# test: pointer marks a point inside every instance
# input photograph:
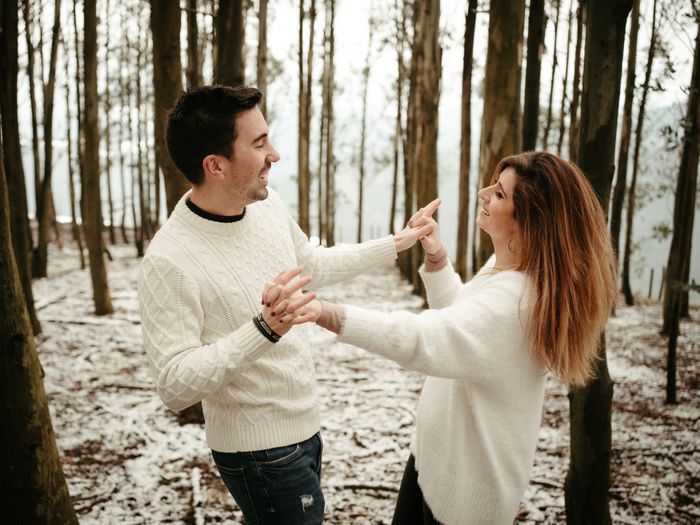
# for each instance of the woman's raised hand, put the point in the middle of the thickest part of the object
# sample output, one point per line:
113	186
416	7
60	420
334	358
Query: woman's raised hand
416	229
284	301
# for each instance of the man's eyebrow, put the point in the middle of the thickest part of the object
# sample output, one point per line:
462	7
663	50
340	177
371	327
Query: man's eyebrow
502	190
259	137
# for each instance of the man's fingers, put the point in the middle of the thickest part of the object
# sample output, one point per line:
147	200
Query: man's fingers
287	275
302	301
425	230
430	208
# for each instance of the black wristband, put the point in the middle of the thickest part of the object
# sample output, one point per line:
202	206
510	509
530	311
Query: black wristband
265	329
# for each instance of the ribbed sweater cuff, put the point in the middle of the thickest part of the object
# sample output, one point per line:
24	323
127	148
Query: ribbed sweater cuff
384	248
253	343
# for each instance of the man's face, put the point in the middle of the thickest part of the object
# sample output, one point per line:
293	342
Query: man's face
253	155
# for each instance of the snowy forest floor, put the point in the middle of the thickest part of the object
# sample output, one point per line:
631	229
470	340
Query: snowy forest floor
127	460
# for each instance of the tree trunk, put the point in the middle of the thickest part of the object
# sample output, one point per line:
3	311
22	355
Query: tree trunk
43	210
92	203
330	157
501	122
363	126
555	63
465	146
34	489
631	196
322	131
193	67
167	83
576	84
623	155
75	227
535	47
31	50
230	38
565	83
304	120
19	222
683	210
261	68
588	479
398	128
123	105
108	130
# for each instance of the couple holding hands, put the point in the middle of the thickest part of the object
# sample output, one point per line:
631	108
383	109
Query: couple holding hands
220	329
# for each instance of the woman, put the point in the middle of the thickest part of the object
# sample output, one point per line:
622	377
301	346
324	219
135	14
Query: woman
540	303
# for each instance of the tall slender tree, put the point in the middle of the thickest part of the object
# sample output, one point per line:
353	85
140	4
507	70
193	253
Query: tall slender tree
107	102
466	142
565	84
21	234
230	37
366	70
501	121
304	120
535	47
575	88
33	487
625	132
43	210
193	61
91	199
555	64
329	173
261	68
678	265
588	479
638	134
167	83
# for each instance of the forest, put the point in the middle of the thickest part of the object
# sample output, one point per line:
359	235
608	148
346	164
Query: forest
377	107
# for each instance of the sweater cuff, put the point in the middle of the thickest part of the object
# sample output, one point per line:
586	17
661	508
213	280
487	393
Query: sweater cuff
251	341
385	249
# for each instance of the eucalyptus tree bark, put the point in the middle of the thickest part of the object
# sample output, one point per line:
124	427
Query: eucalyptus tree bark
304	118
466	143
229	68
623	155
363	124
401	38
75	227
12	155
78	101
535	47
588	478
142	235
501	121
261	68
124	84
92	203
167	83
329	174
28	18
193	62
565	85
33	487
575	88
638	132
555	63
678	265
43	203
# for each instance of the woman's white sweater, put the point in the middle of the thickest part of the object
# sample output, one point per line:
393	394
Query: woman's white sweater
480	409
200	286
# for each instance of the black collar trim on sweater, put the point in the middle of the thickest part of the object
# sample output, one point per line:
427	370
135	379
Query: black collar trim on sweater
212	216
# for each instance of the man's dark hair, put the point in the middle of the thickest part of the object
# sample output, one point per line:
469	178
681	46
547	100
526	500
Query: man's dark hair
203	122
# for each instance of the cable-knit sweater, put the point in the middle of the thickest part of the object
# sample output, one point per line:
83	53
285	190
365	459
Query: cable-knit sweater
200	286
480	409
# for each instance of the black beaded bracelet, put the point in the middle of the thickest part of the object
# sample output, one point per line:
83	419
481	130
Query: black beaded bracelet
265	329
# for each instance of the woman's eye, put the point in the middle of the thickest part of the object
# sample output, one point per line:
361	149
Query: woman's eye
499	195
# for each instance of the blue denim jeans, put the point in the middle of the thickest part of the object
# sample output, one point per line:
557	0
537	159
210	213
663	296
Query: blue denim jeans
276	486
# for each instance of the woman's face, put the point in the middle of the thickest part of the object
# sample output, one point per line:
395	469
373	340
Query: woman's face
497	214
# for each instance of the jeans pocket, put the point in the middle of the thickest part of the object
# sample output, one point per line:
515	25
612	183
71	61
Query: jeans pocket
281	456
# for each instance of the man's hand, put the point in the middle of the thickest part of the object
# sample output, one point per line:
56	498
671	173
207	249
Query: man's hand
416	227
284	302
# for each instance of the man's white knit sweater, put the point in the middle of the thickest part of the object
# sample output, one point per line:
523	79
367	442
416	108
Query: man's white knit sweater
200	286
480	409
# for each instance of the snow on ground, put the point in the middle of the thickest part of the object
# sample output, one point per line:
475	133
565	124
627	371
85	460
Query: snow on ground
128	460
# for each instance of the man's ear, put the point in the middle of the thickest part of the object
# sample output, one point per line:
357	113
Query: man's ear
212	168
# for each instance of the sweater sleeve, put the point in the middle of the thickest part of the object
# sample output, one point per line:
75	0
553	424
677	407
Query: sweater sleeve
184	369
338	263
442	286
468	340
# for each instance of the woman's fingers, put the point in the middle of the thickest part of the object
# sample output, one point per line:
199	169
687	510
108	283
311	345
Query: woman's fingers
275	289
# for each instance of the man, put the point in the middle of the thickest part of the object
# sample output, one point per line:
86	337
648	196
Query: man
206	333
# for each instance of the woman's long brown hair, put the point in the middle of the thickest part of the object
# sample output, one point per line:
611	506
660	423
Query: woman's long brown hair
564	246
